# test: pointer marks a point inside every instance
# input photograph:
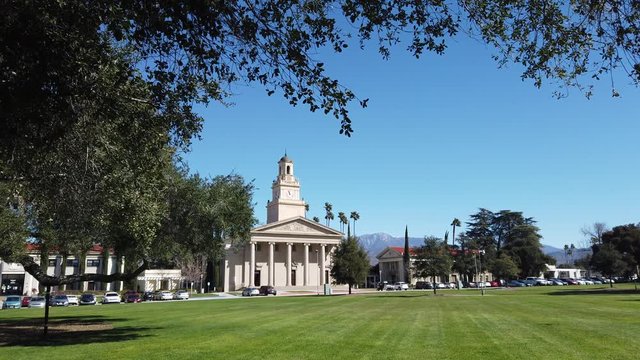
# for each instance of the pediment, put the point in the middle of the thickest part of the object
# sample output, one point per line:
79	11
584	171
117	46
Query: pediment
388	253
297	226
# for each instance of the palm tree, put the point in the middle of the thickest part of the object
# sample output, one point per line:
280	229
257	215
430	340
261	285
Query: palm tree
343	220
455	223
355	216
316	219
306	209
329	216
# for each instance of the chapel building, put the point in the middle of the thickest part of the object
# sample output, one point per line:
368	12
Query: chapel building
289	252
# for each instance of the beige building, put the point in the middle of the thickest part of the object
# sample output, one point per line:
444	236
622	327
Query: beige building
290	251
16	281
391	268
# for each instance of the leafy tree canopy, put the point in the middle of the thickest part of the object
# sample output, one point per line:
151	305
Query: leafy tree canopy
433	259
350	262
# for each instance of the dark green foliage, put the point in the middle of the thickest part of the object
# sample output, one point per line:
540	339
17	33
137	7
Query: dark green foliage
509	232
350	262
504	267
406	256
433	259
609	261
619	252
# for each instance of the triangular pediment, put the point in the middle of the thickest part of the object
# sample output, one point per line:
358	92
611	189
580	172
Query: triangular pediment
297	225
389	253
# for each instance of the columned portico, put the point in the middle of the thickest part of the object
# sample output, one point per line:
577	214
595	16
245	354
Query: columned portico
306	264
322	264
289	245
271	272
252	267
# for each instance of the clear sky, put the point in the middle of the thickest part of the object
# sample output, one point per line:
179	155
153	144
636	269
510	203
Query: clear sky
442	136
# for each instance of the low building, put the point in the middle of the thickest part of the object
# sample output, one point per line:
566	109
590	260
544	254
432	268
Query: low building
554	272
16	281
391	267
160	279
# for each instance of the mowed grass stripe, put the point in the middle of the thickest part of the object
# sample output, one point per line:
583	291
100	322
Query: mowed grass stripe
504	324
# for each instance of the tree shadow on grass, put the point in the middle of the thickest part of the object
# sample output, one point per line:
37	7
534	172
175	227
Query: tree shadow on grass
601	291
67	330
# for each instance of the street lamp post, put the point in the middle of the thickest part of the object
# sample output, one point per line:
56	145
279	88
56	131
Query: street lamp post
480	260
201	288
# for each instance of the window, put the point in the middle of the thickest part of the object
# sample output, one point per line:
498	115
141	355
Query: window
52	262
276	247
293	248
93	262
72	262
258	247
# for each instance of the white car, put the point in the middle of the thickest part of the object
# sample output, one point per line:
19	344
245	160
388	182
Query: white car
164	295
401	286
111	298
250	291
37	302
181	295
73	300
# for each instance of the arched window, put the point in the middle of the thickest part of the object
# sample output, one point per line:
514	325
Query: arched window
288	170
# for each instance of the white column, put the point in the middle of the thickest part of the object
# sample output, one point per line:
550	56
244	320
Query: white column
322	264
306	264
252	266
271	272
289	264
226	276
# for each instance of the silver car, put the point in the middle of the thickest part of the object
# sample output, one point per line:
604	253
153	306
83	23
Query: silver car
181	295
37	302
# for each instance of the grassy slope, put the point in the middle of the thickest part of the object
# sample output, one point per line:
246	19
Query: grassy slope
505	324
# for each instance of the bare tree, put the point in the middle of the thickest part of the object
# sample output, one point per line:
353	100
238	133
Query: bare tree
593	233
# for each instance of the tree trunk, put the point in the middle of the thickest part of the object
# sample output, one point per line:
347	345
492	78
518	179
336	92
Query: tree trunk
349	289
47	301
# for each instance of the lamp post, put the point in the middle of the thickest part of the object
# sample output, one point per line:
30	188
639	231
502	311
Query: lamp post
480	260
201	288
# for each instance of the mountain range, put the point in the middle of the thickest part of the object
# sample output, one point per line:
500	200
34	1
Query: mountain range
375	243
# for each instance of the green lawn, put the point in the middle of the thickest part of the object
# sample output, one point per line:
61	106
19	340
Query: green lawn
536	323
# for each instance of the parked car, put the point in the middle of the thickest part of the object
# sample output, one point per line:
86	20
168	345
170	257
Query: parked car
267	290
12	302
570	281
148	296
73	300
401	286
181	295
516	283
133	298
587	281
60	300
250	291
495	283
163	295
423	285
596	281
25	301
111	297
556	282
87	299
37	302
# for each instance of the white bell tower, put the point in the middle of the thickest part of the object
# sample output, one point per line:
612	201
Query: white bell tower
285	202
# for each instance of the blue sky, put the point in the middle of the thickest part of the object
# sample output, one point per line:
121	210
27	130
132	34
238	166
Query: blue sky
442	136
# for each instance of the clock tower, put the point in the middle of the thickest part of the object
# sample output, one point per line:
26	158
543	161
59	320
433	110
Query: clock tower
285	190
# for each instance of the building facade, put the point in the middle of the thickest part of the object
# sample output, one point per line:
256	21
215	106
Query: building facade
16	281
290	251
391	268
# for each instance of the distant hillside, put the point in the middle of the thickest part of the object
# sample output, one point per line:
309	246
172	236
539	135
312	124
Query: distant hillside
375	243
562	258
